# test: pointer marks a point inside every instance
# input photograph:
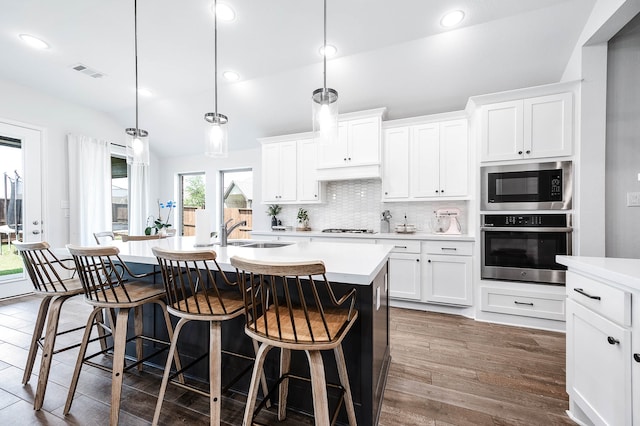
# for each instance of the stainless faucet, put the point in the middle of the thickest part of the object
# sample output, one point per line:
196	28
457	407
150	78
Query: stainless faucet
224	231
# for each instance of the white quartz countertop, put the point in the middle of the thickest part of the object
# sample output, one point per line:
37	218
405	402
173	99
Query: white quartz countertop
343	262
622	271
425	236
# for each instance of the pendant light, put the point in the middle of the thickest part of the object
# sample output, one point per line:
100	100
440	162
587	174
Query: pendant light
138	141
217	132
324	105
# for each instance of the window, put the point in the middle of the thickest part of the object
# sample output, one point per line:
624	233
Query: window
192	197
237	198
119	195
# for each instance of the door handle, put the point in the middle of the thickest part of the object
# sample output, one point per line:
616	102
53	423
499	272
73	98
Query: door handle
636	357
613	341
35	222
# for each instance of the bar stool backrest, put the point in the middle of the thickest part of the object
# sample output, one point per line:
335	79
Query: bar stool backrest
47	272
189	273
284	301
102	273
104	237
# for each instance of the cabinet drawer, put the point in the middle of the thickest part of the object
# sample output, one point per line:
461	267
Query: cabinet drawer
459	248
610	302
525	303
402	246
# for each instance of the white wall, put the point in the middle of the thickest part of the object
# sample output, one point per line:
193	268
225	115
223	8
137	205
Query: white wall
169	168
57	118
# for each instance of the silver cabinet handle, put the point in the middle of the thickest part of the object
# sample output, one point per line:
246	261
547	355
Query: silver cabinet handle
35	232
404	247
523	303
449	248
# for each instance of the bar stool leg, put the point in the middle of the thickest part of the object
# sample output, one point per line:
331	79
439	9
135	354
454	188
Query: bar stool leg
283	389
215	371
263	377
119	343
47	350
344	381
170	332
138	330
80	360
255	384
318	388
167	369
37	334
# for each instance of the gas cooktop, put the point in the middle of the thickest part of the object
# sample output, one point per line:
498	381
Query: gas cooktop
348	231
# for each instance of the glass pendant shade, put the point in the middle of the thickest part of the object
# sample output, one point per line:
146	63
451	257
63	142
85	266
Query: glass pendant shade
324	109
216	135
137	146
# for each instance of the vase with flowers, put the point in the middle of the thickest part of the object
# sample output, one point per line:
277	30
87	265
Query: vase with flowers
303	220
159	226
273	211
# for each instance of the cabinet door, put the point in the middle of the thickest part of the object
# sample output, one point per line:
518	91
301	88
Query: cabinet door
395	163
271	172
288	171
548	126
454	163
598	366
502	131
335	155
448	279
425	160
404	276
308	185
364	141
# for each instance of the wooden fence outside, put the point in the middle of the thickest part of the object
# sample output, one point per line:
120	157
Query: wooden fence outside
242	232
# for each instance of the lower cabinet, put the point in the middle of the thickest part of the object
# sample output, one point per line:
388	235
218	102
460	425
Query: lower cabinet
448	278
404	276
598	366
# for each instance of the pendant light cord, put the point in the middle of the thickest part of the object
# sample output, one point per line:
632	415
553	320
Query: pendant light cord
324	50
135	30
215	59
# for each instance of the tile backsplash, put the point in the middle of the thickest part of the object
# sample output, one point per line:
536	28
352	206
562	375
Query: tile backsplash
358	204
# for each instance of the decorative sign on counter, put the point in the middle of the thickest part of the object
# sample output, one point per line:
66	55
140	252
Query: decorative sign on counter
203	228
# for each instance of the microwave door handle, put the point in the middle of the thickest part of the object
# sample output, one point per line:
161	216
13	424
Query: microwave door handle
525	229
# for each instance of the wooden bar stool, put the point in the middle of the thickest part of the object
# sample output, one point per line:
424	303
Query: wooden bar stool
102	274
104	237
285	309
194	294
55	280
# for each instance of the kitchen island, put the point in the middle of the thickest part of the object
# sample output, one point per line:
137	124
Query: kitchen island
603	339
366	347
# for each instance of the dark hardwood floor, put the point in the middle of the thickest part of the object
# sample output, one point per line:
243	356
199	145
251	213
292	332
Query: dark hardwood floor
445	370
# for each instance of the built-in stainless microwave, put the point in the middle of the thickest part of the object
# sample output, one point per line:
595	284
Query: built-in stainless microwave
532	186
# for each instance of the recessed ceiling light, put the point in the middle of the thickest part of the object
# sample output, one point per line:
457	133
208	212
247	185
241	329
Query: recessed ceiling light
331	50
225	12
144	92
452	18
231	75
34	42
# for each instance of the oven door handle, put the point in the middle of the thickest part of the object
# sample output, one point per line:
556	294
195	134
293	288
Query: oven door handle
524	229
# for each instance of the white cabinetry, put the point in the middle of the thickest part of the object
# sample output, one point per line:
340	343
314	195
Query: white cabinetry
357	153
600	359
528	128
289	170
426	161
404	269
447	272
279	172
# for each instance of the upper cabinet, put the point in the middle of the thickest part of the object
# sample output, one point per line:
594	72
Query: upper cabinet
357	153
528	128
426	161
289	170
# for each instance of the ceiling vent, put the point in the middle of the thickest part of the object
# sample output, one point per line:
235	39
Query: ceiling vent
87	71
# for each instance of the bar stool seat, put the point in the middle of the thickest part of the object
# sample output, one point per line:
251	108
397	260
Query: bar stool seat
194	293
53	279
109	283
285	308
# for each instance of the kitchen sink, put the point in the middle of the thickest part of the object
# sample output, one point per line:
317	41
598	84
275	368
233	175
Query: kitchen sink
266	244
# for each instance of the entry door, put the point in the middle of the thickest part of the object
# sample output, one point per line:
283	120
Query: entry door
25	221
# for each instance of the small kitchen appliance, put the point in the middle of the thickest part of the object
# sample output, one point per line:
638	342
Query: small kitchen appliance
446	221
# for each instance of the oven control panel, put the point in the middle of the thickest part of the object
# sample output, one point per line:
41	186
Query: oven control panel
525	220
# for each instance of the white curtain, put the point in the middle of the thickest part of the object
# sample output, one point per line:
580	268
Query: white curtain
89	188
138	198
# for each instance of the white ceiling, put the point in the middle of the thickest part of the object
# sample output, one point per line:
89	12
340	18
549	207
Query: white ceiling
390	53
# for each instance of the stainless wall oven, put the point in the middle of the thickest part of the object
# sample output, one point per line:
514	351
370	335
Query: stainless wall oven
523	247
532	186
